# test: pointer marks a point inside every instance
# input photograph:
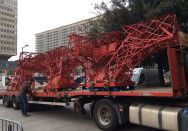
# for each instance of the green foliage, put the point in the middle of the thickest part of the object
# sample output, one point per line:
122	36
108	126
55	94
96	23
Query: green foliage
154	8
122	12
113	17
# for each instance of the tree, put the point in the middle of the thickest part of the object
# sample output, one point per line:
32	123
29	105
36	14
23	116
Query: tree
113	16
123	12
155	8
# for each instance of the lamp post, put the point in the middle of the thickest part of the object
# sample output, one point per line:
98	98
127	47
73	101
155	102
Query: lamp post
24	47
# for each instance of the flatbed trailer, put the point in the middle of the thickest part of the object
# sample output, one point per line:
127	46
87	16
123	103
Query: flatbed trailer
153	92
113	103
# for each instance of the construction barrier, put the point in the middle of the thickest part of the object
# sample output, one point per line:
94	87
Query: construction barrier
10	125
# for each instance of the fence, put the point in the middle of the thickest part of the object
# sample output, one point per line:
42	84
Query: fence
10	125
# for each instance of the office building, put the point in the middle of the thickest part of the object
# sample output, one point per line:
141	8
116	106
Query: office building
8	29
54	38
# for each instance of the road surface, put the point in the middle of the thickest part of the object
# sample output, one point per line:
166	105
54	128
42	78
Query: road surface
58	119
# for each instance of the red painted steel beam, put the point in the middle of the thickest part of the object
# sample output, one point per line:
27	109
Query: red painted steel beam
177	71
105	93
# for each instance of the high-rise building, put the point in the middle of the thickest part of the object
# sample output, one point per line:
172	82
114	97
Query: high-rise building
8	29
54	38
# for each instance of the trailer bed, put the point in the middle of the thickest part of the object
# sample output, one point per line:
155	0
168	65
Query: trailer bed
143	91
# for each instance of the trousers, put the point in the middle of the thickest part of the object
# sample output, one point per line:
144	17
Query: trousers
23	103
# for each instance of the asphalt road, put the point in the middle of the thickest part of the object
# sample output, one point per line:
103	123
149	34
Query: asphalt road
58	119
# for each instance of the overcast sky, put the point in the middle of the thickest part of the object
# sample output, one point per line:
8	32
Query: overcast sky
35	16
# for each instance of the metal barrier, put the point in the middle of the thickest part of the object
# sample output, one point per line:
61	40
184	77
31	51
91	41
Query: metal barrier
10	125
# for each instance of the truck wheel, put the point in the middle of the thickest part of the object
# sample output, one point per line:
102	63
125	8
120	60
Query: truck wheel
105	115
15	103
6	102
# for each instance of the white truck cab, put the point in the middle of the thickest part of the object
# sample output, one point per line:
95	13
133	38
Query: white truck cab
138	76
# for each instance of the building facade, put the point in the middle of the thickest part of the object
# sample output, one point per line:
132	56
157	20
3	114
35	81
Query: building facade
7	67
54	38
8	29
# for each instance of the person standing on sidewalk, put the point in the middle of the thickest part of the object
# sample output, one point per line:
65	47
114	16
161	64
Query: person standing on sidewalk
25	88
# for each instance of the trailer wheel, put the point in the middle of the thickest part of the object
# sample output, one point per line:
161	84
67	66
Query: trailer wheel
105	115
15	103
6	102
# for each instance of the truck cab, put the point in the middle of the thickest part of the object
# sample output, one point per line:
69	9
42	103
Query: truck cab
138	76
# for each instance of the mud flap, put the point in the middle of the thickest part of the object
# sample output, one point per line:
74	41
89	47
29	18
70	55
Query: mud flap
122	112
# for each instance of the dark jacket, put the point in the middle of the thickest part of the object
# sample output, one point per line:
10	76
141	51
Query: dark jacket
26	88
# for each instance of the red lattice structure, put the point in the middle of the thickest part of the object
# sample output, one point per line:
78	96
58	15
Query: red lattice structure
28	65
94	50
105	57
50	64
143	39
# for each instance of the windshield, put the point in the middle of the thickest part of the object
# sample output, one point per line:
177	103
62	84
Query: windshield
135	77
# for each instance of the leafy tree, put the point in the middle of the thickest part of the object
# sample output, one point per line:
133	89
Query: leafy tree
113	17
146	9
122	12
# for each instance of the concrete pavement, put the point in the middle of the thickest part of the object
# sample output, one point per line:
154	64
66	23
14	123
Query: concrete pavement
58	119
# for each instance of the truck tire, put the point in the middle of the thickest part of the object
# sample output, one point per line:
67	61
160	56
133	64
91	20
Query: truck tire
105	115
15	103
6	101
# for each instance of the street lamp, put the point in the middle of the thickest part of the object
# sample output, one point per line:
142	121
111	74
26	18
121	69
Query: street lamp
24	47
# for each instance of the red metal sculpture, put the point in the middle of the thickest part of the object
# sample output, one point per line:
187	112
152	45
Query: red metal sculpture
143	39
105	57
